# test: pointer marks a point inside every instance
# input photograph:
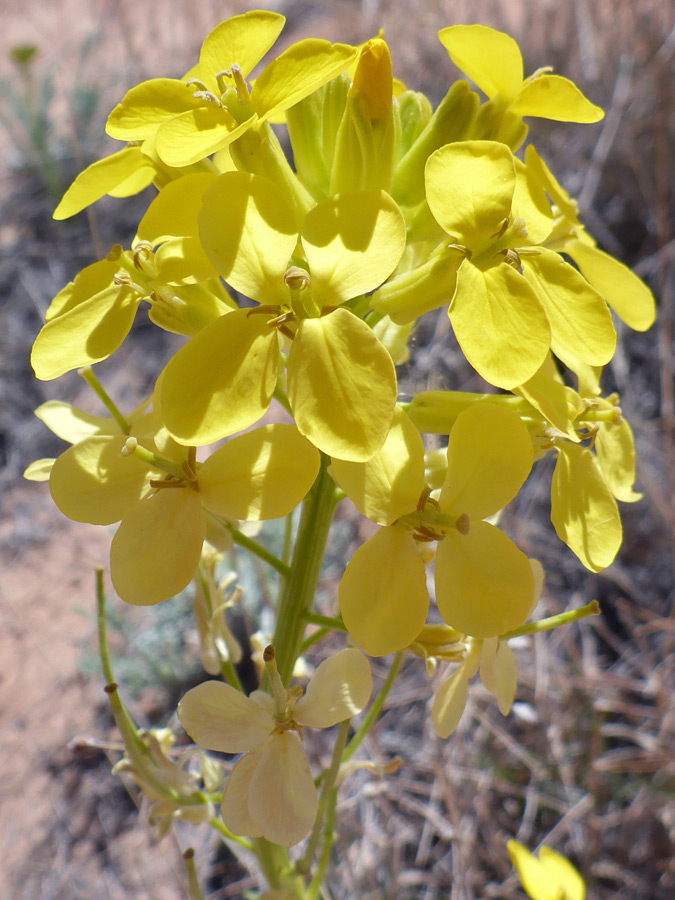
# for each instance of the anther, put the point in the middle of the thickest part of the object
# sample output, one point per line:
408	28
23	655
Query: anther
199	84
462	524
512	259
502	229
129	446
142	250
296	278
209	96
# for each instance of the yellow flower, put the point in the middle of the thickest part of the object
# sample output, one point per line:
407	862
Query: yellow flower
163	499
483	582
492	60
270	792
628	296
547	877
513	299
492	656
341	380
166	267
201	115
586	479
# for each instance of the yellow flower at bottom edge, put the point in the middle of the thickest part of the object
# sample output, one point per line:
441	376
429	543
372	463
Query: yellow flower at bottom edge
547	877
270	791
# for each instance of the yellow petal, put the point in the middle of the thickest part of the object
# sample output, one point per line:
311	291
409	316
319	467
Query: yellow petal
197	133
532	206
449	703
146	106
341	386
92	482
297	72
583	511
581	324
86	334
263	474
234	806
248	231
242	40
353	242
490	58
563	873
499	323
536	881
40	470
102	177
470	186
136	182
340	688
536	165
489	457
558	404
629	297
615	453
182	261
219	717
174	211
72	424
89	281
156	549
282	799
499	672
555	97
484	584
383	593
389	484
222	380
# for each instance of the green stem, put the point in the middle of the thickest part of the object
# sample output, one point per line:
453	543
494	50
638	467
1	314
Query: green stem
193	882
591	609
260	551
308	642
276	866
102	636
374	710
328	838
329	621
303	865
96	386
252	546
298	594
218	826
155	460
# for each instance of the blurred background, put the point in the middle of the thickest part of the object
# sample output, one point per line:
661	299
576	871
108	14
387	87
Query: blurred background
585	761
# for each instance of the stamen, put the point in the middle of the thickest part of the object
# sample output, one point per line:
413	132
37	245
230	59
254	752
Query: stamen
129	446
462	249
221	79
199	84
296	278
240	83
268	309
462	524
502	229
512	259
142	250
209	97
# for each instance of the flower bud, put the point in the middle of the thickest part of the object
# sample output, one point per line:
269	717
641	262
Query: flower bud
367	139
452	120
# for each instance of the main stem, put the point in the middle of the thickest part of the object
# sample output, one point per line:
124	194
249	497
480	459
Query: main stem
300	586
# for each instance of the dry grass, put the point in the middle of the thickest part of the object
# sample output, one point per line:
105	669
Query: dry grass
585	762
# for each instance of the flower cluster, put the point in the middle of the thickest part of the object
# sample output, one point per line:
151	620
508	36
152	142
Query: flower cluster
296	289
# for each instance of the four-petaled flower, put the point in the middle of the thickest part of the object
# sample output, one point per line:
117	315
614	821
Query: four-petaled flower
270	792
